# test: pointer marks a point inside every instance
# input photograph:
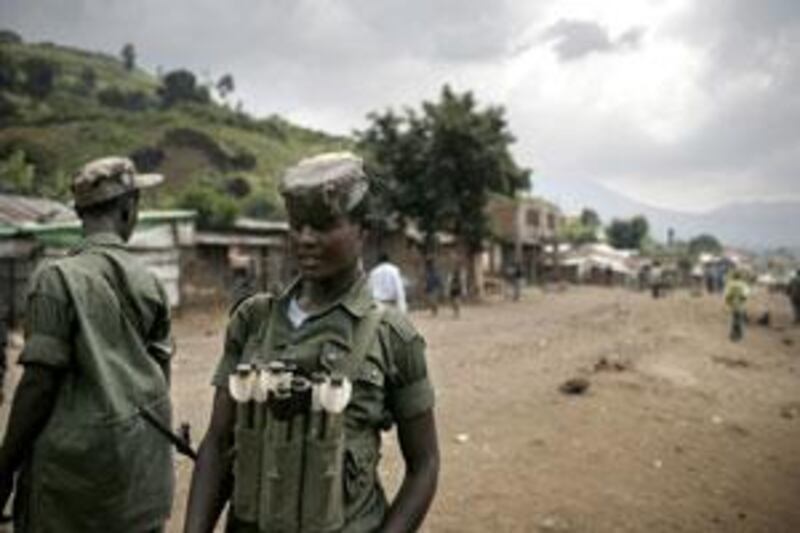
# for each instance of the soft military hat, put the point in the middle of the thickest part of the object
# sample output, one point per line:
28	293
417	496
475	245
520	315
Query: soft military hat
336	181
107	178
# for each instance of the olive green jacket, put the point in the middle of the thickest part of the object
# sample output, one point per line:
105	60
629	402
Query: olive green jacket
391	382
103	320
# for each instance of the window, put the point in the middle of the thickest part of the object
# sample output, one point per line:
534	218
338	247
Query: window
532	217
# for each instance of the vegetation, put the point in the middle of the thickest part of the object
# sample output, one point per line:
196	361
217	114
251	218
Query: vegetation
60	107
128	56
438	165
704	243
628	234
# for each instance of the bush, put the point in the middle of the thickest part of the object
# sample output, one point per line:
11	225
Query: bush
8	36
40	75
181	86
8	110
214	209
8	72
121	99
147	158
259	206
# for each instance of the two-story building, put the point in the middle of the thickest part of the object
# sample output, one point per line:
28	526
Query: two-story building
521	228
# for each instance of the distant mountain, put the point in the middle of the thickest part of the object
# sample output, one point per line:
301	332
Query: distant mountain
753	225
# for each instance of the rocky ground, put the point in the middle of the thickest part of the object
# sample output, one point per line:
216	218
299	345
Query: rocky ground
670	426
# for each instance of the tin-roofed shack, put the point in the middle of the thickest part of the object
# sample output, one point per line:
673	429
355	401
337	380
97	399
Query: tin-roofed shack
32	229
227	264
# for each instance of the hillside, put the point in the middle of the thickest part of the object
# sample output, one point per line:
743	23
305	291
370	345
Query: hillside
208	152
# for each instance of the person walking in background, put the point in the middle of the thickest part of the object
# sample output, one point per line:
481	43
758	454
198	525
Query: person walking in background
433	285
656	280
386	284
515	279
737	293
455	288
793	291
96	357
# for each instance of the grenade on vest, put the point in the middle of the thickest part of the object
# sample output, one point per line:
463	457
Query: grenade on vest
241	384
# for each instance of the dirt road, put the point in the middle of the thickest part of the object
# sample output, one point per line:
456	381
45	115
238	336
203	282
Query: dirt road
679	430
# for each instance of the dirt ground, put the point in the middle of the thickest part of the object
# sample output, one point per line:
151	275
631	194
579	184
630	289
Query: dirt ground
679	430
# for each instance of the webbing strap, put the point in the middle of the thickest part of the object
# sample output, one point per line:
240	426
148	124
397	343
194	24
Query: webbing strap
363	337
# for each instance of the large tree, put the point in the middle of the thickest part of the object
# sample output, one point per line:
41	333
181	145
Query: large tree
181	86
628	234
704	243
437	165
128	54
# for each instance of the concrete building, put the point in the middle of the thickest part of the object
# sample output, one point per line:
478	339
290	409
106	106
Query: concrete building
522	227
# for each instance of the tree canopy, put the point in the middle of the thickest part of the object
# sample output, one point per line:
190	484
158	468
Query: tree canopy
128	56
704	243
181	86
628	234
437	165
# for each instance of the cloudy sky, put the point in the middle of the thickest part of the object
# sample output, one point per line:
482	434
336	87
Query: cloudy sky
678	103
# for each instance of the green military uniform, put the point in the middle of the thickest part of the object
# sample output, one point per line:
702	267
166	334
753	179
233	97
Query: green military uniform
390	383
103	319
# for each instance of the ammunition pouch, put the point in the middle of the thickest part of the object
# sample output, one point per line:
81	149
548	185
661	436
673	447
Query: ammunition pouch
288	479
246	467
323	498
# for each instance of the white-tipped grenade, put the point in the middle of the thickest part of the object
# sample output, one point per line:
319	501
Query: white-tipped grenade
318	383
262	386
240	384
336	395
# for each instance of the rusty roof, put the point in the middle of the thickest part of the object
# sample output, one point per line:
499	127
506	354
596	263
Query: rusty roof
20	211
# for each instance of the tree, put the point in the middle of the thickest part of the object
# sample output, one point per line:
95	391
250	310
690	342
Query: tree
88	80
437	166
9	36
590	218
40	75
128	56
225	86
628	234
576	232
704	243
8	72
181	86
214	209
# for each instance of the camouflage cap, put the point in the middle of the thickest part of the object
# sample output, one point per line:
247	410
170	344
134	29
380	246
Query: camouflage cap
107	178
336	179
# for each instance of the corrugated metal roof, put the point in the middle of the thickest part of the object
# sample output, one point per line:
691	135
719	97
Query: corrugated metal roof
20	211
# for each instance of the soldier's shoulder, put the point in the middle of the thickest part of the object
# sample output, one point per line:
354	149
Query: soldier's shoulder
46	275
399	323
253	305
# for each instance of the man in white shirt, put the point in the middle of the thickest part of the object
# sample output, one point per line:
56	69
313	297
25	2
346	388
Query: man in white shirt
386	283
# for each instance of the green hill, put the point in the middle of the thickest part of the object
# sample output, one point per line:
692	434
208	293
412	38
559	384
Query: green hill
212	156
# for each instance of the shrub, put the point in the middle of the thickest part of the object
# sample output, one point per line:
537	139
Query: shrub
214	209
121	99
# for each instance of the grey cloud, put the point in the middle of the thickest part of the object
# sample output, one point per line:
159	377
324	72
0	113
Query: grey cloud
574	39
328	63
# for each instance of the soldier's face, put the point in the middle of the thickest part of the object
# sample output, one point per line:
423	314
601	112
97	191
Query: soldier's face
325	244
